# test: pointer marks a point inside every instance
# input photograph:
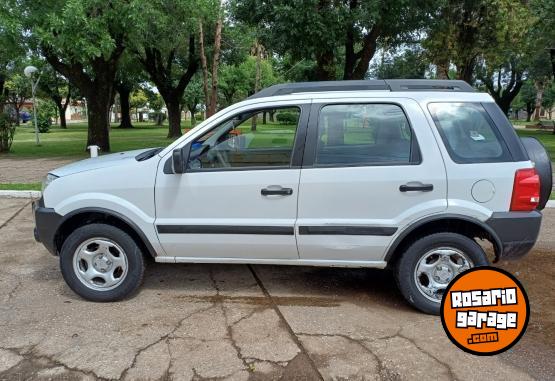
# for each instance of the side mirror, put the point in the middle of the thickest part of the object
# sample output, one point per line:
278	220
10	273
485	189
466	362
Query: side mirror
180	157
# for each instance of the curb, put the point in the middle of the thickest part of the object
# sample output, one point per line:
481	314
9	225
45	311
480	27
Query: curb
20	194
37	194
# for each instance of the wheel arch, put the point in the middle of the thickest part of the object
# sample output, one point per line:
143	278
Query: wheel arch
84	216
455	223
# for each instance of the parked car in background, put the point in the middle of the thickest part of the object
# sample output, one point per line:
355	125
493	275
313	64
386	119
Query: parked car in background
24	116
405	174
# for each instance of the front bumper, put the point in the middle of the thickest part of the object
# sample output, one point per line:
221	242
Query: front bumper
47	222
516	231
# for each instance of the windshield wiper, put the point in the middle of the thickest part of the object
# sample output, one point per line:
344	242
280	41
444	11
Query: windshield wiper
148	154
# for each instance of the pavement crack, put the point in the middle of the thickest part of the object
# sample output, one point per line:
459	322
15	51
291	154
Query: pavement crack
32	355
160	339
12	292
15	214
276	309
229	327
450	372
383	371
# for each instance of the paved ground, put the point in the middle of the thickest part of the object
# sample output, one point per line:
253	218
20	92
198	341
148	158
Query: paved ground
195	322
28	170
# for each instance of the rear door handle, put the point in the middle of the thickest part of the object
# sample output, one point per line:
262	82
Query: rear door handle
276	191
416	187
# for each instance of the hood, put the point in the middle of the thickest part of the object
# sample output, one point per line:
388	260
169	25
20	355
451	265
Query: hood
93	163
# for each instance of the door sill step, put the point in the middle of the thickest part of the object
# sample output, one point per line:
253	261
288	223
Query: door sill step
295	262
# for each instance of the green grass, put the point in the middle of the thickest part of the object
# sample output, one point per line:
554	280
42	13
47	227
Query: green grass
71	142
19	186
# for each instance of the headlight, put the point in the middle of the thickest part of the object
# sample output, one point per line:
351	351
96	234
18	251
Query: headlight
46	182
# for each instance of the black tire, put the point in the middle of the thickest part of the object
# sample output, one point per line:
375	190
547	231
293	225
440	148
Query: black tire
540	157
405	270
135	262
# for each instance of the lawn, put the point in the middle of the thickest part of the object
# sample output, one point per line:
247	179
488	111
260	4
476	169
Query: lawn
71	142
18	186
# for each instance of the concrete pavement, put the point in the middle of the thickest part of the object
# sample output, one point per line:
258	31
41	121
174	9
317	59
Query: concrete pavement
196	322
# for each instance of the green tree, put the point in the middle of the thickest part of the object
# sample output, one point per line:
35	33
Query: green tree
525	100
233	83
548	100
166	45
462	32
193	96
137	100
340	36
156	103
128	78
16	91
58	89
408	63
11	50
83	40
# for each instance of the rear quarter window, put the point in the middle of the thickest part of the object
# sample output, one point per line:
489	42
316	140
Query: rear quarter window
468	133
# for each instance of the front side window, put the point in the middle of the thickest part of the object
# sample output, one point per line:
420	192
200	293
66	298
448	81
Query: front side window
363	134
262	138
468	133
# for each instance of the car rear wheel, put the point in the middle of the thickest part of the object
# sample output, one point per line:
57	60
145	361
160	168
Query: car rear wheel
101	263
429	264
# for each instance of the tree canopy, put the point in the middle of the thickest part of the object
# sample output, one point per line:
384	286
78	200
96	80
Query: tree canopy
203	55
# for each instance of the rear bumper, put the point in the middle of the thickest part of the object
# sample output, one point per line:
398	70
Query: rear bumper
47	222
517	232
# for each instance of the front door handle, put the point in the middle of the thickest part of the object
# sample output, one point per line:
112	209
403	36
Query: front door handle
416	187
276	191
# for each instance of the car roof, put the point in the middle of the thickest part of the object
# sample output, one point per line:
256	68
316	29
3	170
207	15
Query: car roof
389	85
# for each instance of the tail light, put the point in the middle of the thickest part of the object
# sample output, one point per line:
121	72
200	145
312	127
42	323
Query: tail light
526	190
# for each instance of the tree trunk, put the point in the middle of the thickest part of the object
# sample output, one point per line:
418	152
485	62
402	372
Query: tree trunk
193	119
125	107
258	52
98	118
539	99
325	69
62	114
215	63
204	69
17	115
174	118
529	110
442	69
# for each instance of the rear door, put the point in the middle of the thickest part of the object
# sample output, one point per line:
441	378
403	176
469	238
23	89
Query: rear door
370	168
238	197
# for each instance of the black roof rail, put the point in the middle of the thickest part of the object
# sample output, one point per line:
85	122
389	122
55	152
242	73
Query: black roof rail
429	85
362	85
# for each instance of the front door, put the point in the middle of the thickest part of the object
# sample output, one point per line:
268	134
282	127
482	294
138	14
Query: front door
366	175
238	197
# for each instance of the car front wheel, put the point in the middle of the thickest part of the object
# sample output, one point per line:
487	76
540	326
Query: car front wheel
430	263
101	263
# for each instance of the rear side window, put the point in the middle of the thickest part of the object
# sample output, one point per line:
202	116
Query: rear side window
468	133
363	134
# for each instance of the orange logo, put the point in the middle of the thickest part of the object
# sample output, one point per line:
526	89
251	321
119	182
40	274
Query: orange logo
485	311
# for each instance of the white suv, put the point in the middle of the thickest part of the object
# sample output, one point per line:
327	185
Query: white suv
399	173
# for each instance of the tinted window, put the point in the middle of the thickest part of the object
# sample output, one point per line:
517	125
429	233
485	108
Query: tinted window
468	133
264	138
363	134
